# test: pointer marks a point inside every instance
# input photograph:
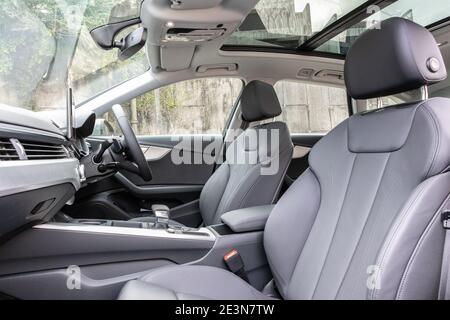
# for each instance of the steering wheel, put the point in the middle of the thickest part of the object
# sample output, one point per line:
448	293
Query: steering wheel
132	143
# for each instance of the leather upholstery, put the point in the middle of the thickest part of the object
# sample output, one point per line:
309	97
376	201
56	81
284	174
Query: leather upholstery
247	219
392	59
241	182
363	222
347	204
259	101
190	283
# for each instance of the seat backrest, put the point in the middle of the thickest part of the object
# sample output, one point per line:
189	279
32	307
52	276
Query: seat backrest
256	161
364	221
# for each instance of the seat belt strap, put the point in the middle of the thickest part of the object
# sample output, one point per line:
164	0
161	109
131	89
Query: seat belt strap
444	284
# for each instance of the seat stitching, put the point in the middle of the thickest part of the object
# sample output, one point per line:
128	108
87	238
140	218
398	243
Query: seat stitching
437	134
161	270
224	189
365	223
416	249
337	223
306	239
259	177
374	292
233	192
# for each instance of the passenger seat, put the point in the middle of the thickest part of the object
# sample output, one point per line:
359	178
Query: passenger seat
240	184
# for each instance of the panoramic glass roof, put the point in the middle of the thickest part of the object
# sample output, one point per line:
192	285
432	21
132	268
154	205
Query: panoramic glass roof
288	23
328	26
419	11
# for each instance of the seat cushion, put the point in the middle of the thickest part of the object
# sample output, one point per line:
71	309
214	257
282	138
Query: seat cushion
189	283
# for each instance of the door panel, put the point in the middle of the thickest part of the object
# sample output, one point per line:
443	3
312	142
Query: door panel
172	184
166	172
186	112
159	151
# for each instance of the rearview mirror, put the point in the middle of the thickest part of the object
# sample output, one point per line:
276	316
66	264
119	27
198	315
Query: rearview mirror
104	35
132	43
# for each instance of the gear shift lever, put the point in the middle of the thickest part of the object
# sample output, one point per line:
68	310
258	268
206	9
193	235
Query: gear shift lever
162	214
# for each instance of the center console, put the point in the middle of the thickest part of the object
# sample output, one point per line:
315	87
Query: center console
109	253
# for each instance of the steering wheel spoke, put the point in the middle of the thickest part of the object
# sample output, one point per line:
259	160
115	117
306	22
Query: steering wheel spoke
139	164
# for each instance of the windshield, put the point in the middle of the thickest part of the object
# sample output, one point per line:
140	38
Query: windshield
46	43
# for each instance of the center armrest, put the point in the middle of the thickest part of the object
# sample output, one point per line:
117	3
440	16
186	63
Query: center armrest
248	219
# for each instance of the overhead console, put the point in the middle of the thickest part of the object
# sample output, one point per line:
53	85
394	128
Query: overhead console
197	35
176	28
194	4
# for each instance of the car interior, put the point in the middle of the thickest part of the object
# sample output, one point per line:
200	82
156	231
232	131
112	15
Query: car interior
225	149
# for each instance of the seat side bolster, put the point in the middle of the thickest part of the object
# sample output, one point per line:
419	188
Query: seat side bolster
402	242
140	290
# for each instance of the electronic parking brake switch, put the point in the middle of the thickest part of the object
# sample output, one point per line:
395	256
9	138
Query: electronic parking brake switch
235	264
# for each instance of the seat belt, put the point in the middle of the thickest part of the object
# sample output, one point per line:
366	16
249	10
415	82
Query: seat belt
444	284
235	264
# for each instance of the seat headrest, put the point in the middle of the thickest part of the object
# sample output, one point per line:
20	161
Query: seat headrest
397	57
259	101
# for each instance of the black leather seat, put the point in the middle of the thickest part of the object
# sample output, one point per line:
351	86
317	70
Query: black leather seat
363	222
238	183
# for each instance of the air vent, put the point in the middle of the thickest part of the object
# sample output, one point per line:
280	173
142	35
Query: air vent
13	149
7	150
43	151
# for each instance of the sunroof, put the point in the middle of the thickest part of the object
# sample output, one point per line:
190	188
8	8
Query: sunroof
288	23
419	11
327	26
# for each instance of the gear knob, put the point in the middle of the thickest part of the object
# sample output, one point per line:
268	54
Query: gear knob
162	214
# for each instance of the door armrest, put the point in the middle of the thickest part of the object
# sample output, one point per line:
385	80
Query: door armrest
247	219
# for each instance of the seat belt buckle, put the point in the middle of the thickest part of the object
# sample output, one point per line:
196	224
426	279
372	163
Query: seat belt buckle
445	218
235	264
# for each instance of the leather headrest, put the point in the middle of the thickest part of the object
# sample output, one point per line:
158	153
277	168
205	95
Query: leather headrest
397	57
259	101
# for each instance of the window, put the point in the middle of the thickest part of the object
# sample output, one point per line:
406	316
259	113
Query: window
45	42
311	108
419	11
441	89
200	106
376	103
289	23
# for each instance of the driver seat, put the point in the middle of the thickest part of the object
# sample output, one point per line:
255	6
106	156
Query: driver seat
363	222
239	183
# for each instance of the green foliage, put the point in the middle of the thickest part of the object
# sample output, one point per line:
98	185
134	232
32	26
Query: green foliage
37	39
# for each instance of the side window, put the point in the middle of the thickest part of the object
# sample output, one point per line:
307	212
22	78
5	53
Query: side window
200	106
372	104
441	89
311	108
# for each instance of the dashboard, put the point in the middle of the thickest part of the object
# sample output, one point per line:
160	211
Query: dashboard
39	169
